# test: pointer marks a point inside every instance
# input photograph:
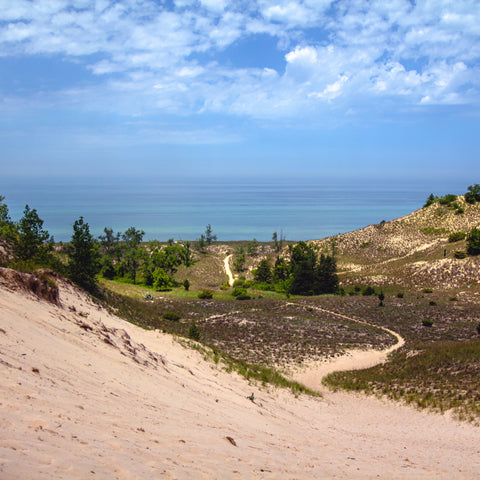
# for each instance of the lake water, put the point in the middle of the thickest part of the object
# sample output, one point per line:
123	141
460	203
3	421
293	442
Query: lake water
237	209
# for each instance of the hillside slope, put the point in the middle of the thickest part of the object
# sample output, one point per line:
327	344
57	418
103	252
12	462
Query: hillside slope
87	395
413	250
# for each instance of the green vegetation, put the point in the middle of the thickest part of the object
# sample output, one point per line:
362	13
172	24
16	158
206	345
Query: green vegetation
456	237
440	376
434	231
473	242
473	194
265	330
83	256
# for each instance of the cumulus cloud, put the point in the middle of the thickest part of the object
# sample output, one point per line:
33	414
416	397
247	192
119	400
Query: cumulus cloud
335	52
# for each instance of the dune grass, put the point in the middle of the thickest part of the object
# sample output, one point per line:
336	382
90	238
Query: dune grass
439	376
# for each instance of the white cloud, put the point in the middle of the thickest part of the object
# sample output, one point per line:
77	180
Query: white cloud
336	53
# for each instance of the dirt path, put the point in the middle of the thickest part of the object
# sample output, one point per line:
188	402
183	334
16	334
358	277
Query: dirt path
228	270
312	374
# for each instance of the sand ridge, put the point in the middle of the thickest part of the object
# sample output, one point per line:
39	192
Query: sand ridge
84	394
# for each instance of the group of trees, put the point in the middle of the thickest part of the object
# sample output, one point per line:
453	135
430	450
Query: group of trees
450	200
112	255
305	272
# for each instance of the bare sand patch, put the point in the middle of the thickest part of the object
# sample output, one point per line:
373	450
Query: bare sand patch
84	394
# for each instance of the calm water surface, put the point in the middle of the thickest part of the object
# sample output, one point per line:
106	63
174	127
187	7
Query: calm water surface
238	209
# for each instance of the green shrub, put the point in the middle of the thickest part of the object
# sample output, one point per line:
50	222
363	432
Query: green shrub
427	323
456	236
427	290
205	294
237	291
173	316
447	199
400	295
194	332
432	303
368	291
244	296
430	200
473	194
433	231
473	242
264	286
460	254
478	328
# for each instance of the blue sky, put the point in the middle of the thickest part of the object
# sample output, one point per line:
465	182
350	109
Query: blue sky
357	87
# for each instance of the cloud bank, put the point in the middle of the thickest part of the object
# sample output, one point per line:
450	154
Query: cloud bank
175	57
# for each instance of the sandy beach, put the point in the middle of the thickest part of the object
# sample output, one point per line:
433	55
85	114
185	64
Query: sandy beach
84	394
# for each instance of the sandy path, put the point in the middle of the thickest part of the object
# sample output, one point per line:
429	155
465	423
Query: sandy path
228	270
311	374
85	395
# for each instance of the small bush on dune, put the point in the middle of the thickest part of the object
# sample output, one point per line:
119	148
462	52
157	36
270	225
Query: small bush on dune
173	316
460	254
205	294
427	323
456	236
368	291
194	332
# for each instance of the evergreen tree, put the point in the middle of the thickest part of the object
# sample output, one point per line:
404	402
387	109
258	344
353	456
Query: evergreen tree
473	242
263	273
132	238
209	236
31	239
302	269
83	256
326	280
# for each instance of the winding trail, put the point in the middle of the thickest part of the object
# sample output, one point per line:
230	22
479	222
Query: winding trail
311	375
228	270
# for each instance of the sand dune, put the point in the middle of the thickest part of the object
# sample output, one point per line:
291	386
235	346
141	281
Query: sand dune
84	394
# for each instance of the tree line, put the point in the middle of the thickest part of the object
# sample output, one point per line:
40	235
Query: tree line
112	255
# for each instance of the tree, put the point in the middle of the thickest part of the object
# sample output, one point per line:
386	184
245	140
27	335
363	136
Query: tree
473	242
209	236
7	227
132	238
252	247
263	273
310	275
239	260
169	257
187	254
161	281
302	269
473	194
281	270
31	239
277	242
84	256
4	215
201	243
326	280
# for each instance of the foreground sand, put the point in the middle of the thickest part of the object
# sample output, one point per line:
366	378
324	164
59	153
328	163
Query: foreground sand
85	395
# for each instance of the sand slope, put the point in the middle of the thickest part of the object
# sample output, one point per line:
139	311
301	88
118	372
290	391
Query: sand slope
84	394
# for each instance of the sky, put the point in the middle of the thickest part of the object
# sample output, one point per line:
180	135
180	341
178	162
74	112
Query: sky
204	87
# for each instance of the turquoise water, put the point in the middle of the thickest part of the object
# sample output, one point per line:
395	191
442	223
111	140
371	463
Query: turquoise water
237	209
